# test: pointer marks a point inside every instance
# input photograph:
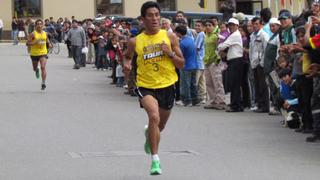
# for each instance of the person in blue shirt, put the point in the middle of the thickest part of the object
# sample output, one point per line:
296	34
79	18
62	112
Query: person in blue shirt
49	29
188	86
289	99
199	43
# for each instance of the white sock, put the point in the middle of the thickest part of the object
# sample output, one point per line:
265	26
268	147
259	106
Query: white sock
155	157
43	82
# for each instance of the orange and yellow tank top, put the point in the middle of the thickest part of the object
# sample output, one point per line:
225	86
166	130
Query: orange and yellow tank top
155	69
40	48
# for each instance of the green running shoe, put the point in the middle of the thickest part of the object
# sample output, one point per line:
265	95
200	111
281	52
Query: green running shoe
147	147
155	168
38	73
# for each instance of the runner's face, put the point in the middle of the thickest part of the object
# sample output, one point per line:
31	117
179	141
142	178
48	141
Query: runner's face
39	25
152	19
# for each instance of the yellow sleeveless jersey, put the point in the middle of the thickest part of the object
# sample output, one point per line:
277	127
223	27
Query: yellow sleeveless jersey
40	48
155	69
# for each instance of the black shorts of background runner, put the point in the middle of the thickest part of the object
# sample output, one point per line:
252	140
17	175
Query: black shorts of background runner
164	96
37	58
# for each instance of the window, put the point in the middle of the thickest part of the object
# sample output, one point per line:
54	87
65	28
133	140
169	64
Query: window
247	6
167	5
109	7
25	8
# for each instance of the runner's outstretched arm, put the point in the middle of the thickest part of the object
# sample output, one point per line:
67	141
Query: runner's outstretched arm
30	40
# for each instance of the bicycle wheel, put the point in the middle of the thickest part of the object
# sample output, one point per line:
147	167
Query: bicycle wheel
50	50
56	46
56	49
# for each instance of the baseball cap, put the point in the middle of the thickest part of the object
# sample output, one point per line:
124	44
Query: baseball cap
285	15
274	21
233	21
316	3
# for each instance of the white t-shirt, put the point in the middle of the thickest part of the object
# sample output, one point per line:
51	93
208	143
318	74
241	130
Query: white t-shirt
234	43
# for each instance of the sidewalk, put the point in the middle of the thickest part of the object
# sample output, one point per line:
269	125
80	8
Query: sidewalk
11	42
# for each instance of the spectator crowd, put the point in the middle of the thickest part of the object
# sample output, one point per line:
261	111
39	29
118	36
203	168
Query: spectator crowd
266	64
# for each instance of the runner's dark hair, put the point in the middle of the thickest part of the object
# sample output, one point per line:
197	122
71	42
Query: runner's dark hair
147	5
38	20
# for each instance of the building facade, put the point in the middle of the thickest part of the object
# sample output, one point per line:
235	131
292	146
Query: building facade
82	9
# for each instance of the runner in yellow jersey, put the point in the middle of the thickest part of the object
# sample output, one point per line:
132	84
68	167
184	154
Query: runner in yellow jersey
158	53
37	42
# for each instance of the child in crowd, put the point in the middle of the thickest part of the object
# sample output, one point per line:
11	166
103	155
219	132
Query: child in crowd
282	63
304	83
102	60
119	75
224	33
114	53
288	99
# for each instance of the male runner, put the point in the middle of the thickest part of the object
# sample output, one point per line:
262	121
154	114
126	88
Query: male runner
158	54
37	41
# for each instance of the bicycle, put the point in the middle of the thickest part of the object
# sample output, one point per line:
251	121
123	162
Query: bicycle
55	46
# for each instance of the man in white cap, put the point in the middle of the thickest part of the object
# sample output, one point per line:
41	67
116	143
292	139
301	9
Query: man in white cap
235	64
270	58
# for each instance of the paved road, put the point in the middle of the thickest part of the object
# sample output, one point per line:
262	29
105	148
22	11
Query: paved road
82	128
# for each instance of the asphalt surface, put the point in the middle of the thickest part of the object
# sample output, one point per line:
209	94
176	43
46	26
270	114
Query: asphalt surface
83	128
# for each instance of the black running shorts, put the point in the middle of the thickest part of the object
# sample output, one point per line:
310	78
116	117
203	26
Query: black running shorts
37	58
164	96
